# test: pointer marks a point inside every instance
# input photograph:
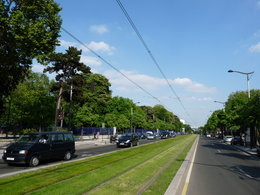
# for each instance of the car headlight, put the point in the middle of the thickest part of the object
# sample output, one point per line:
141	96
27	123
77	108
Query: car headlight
127	141
23	151
5	151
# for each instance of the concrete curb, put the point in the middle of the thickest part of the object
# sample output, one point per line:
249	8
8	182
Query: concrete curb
177	183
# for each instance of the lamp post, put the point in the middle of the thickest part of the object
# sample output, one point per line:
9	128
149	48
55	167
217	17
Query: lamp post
21	119
132	114
92	88
252	129
221	103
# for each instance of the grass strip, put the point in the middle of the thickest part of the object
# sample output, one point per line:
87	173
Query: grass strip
28	182
161	183
134	180
88	181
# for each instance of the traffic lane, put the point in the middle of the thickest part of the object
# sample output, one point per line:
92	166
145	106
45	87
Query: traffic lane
222	169
79	154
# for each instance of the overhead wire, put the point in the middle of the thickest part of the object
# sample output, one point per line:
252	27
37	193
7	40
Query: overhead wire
150	53
112	66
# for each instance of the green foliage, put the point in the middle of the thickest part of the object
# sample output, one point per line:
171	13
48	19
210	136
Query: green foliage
31	101
29	131
84	117
29	29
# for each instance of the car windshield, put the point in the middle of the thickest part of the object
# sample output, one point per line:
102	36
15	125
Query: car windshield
28	138
126	137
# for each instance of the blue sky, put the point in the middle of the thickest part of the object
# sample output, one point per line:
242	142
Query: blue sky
195	43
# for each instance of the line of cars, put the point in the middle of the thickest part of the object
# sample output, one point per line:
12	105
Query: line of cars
228	139
132	139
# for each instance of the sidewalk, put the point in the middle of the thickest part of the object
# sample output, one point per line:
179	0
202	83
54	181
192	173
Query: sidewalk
246	149
88	142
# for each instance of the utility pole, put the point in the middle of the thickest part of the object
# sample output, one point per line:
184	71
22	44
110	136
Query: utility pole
92	88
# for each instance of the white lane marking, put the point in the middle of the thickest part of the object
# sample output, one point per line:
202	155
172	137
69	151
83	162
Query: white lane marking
189	172
243	172
219	151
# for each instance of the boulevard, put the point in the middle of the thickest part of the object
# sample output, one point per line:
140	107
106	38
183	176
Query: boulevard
220	168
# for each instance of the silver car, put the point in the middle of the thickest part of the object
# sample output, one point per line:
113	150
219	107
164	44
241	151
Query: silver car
151	136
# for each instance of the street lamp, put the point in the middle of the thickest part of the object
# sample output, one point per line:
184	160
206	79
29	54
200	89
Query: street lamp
221	103
21	118
132	114
248	89
92	88
252	129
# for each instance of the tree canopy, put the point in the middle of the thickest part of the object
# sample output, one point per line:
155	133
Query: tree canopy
29	29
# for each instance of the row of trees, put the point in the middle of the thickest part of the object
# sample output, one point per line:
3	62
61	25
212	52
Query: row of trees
35	100
237	114
30	30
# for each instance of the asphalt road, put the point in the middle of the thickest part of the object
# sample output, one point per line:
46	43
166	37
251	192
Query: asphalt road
222	169
79	154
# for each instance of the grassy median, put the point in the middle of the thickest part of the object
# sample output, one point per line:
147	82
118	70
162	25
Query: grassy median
82	176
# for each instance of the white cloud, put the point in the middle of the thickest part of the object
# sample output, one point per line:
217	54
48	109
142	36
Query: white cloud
190	85
100	29
37	68
205	99
255	48
144	81
153	83
101	46
88	60
67	44
122	89
97	47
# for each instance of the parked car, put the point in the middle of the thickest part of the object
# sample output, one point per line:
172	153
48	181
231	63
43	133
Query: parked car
165	135
237	141
31	148
208	135
173	134
217	135
212	135
151	136
228	138
220	136
129	139
143	136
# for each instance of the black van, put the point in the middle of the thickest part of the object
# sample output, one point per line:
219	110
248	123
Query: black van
33	147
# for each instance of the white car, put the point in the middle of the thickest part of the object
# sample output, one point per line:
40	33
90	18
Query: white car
151	136
208	135
228	138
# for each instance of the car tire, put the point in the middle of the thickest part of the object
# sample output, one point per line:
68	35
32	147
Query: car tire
34	161
67	155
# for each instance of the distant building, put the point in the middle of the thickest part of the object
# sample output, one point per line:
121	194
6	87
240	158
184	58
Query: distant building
183	121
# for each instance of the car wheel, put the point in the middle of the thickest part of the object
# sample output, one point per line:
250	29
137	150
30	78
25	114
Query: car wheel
34	161
67	155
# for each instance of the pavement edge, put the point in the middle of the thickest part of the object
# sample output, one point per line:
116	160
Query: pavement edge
178	181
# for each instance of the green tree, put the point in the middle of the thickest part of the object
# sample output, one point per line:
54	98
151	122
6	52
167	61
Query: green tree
29	29
99	99
110	120
84	116
69	69
123	123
